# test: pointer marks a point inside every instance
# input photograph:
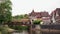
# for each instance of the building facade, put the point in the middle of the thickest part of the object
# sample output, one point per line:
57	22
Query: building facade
44	16
55	16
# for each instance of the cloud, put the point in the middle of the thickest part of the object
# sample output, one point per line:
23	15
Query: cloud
26	6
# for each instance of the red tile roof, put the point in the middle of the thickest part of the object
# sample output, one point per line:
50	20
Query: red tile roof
39	14
56	10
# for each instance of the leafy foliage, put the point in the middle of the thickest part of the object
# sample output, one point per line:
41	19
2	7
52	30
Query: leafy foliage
20	16
36	21
5	11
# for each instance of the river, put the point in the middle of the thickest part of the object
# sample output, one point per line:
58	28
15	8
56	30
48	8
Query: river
23	32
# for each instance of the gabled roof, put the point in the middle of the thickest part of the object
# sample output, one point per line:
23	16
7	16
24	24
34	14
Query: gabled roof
56	10
39	14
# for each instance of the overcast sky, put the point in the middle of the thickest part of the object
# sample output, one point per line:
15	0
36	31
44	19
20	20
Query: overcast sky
26	6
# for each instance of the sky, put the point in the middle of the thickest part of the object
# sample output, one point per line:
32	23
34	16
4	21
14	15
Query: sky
26	6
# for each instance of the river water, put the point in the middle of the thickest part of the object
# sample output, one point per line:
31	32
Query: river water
23	32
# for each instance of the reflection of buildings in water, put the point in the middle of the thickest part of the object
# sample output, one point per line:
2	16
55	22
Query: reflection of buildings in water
37	29
24	32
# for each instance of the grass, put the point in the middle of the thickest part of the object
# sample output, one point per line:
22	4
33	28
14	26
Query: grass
0	33
5	29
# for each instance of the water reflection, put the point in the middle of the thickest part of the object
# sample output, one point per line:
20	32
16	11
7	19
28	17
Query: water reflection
23	32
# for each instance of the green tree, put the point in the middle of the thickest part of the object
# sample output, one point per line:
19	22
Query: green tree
5	11
37	21
26	16
20	16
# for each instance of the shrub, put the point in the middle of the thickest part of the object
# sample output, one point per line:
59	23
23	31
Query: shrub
36	21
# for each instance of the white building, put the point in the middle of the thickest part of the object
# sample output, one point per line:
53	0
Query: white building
46	20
